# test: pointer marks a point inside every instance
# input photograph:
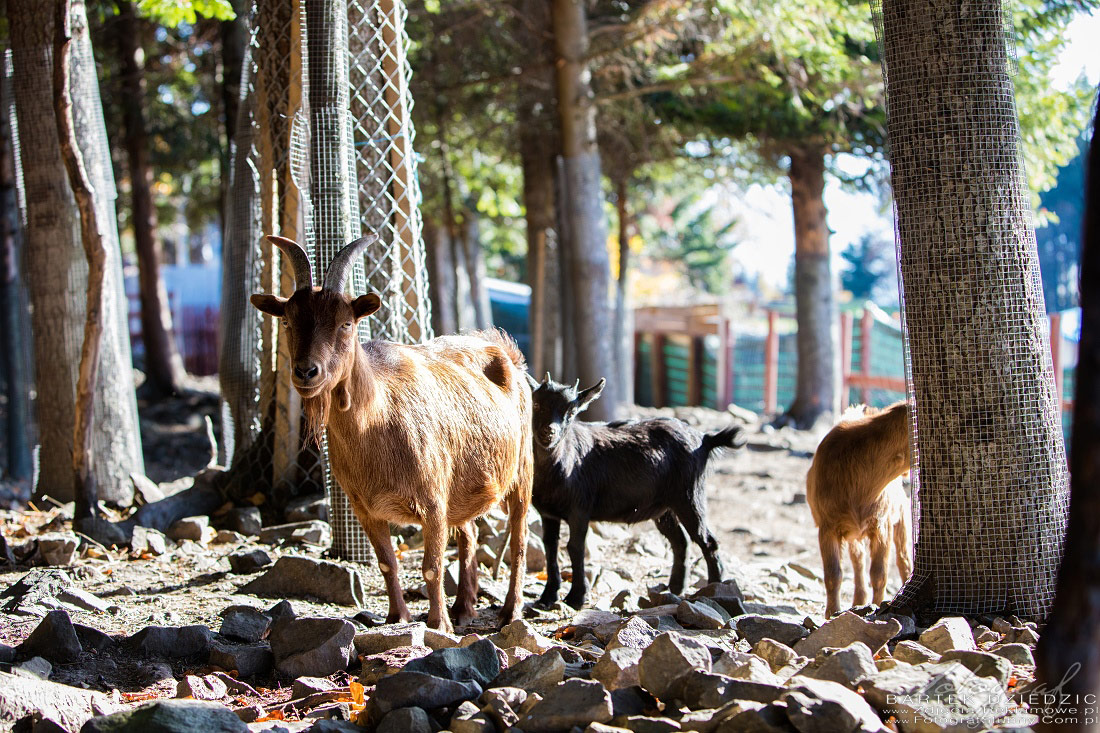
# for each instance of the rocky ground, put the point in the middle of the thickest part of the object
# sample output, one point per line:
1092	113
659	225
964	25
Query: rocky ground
216	622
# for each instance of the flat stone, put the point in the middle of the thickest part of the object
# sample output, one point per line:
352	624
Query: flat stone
477	662
34	668
391	661
68	706
982	664
312	647
54	639
536	673
522	634
173	641
934	697
57	548
208	687
633	633
189	528
249	660
304	577
912	652
305	686
752	628
501	705
1026	635
646	724
950	632
147	539
670	657
244	623
416	689
246	563
820	706
842	630
389	637
468	719
574	702
196	501
618	668
169	716
708	690
727	594
7	654
227	537
846	666
43	590
698	616
435	639
405	720
776	654
1016	653
742	666
312	532
771	718
245	520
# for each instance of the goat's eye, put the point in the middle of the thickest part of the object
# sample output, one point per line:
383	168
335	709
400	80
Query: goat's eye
349	324
285	322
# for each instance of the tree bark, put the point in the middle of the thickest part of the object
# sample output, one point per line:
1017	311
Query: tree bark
623	338
474	256
164	372
441	277
1071	638
814	304
233	37
542	270
586	236
991	476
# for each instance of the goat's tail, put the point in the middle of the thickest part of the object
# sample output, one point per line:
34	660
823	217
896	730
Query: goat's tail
730	437
507	343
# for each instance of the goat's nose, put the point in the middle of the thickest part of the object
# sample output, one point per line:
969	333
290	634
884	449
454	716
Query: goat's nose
307	372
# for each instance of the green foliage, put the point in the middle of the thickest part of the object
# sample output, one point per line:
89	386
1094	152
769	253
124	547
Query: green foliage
172	13
698	242
870	270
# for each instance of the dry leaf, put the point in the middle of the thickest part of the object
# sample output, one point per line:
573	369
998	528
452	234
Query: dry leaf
273	715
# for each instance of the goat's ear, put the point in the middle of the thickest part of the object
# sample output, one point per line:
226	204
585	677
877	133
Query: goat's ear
364	305
587	396
272	305
532	381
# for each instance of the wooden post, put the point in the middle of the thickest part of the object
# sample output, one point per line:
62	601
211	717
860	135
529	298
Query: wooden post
771	367
1056	357
696	357
638	336
723	372
866	324
660	374
845	358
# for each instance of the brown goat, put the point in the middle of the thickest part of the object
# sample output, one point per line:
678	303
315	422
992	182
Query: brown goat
434	434
855	494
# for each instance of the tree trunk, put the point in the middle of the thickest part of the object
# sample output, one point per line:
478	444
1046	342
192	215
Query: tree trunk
441	274
164	372
56	269
586	233
814	305
623	339
542	269
474	256
991	475
1072	633
234	37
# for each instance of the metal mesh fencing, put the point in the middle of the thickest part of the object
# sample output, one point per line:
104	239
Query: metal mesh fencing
990	474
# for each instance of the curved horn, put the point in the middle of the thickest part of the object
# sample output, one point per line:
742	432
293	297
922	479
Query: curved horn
577	385
546	379
338	269
303	275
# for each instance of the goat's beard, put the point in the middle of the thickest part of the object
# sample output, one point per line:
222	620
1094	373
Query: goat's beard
316	411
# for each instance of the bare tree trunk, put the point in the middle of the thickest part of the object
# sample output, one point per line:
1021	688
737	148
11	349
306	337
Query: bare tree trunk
474	256
991	476
813	291
623	331
589	264
164	370
233	37
542	270
1071	638
441	274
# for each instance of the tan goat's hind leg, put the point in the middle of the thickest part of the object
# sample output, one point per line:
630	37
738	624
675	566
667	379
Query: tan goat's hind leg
880	552
857	551
435	544
903	545
518	504
830	561
464	609
378	531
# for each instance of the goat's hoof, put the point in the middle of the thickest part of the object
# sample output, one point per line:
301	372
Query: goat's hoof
463	616
575	602
545	603
398	618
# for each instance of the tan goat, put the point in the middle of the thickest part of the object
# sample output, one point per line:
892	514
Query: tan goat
434	434
855	494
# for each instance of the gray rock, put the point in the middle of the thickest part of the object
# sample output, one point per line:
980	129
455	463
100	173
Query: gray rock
842	630
1026	635
536	673
147	539
197	501
820	706
68	706
57	548
573	702
208	687
522	634
726	594
245	520
468	719
708	690
776	654
845	666
307	508
435	639
752	628
246	563
1016	653
383	664
950	632
169	716
633	633
54	639
249	660
227	537
742	666
670	657
912	652
146	488
332	725
416	689
405	720
698	616
312	532
34	668
982	664
304	577
7	654
389	637
244	623
173	641
477	662
305	686
929	697
312	647
618	668
645	724
908	623
189	528
45	589
501	705
770	718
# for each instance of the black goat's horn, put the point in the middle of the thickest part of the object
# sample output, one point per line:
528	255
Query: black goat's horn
577	385
303	274
546	379
338	269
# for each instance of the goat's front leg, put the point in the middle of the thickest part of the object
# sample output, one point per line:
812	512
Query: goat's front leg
578	530
378	531
435	544
551	531
465	608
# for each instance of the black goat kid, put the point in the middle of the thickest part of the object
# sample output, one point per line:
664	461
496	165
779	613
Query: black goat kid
623	471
